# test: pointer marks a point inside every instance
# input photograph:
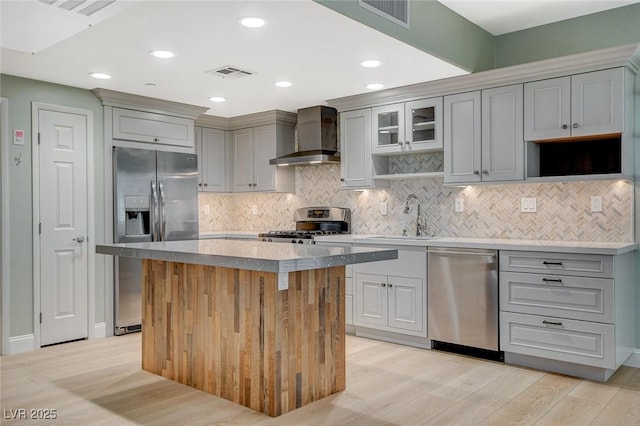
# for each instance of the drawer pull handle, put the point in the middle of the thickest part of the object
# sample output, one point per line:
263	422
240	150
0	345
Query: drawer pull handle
545	322
552	263
552	280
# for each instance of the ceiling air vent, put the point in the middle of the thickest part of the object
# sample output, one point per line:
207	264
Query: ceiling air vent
229	71
394	10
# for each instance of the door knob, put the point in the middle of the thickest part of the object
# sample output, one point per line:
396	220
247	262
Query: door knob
79	238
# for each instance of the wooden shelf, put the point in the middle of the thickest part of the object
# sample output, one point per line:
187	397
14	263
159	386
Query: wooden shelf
398	176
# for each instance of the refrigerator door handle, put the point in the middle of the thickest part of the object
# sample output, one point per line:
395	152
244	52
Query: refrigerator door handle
163	219
154	204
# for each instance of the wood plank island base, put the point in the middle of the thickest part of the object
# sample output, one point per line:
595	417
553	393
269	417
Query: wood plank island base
260	324
232	333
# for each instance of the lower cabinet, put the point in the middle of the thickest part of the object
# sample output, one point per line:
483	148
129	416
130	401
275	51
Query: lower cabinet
390	295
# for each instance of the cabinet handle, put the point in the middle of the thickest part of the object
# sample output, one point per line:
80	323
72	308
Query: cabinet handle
199	184
550	280
545	322
408	142
390	285
341	179
399	143
156	139
484	172
475	172
383	284
552	263
255	184
576	125
564	126
206	184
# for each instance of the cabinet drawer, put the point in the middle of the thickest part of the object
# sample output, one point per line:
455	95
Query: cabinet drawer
579	298
583	265
579	342
153	128
410	263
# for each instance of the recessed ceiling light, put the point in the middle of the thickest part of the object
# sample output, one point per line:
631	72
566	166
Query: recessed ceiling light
252	22
375	86
163	54
217	99
283	83
371	63
100	75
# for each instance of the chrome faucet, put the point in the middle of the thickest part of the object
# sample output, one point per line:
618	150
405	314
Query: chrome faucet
419	228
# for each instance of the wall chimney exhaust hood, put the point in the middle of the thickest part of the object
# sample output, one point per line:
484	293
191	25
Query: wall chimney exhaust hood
317	138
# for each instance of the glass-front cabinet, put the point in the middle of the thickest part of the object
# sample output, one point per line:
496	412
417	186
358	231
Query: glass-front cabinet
407	127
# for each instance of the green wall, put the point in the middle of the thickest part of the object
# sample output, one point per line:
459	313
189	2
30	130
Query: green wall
433	28
21	93
610	28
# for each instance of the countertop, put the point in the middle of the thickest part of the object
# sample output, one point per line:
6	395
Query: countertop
250	255
578	247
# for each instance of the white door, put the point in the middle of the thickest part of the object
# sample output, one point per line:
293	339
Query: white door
243	160
547	109
265	149
63	216
371	300
406	307
597	101
355	141
213	161
462	138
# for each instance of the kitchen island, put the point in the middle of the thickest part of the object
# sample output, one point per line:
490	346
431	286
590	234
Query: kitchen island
260	324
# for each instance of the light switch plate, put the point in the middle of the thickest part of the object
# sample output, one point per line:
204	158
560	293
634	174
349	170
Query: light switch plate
528	205
254	210
596	204
207	210
459	205
383	208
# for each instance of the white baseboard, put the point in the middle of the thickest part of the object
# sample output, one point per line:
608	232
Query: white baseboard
100	331
25	343
634	359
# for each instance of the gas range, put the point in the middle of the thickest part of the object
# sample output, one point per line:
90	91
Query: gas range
312	222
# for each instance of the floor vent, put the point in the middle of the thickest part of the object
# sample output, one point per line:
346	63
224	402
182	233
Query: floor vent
229	71
394	10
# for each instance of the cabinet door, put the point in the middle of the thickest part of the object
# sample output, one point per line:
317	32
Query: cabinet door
502	134
424	125
547	109
462	138
388	129
243	160
213	161
597	101
142	126
371	300
264	150
355	147
406	303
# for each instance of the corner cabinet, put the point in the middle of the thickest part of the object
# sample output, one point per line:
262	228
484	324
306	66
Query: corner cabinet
573	106
355	149
252	149
483	136
409	127
213	149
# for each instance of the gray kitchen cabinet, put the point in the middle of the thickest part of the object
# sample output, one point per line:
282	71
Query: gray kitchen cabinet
140	126
252	149
409	127
390	295
483	139
564	312
212	147
579	105
355	149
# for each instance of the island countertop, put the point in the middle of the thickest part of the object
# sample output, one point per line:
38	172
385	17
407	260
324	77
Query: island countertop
250	255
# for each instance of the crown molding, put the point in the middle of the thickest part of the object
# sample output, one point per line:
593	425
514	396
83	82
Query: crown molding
262	118
161	106
214	122
625	55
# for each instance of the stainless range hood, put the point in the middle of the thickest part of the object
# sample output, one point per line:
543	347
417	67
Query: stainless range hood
317	141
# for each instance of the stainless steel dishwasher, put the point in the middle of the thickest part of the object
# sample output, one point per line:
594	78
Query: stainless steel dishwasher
463	299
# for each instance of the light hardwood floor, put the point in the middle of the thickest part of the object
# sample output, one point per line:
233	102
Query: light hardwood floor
100	382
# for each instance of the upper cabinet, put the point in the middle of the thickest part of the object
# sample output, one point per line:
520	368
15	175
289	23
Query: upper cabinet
407	127
574	106
252	149
355	146
140	126
212	147
483	137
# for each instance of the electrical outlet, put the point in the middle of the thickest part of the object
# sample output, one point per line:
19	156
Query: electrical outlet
207	209
254	210
596	204
528	205
459	205
383	208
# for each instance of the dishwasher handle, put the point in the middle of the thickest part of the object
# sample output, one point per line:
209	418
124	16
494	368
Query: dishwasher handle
464	253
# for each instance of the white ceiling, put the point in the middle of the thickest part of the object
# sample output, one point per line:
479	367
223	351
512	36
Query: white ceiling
316	48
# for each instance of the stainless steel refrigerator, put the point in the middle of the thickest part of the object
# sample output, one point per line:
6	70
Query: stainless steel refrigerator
155	199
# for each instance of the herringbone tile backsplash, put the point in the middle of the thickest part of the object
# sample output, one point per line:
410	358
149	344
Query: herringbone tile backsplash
492	211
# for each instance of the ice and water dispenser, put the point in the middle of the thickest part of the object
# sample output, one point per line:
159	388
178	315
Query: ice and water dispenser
137	214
